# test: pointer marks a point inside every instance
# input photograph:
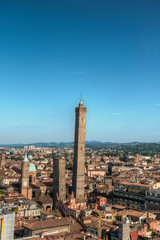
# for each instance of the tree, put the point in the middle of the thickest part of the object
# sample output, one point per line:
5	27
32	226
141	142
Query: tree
124	159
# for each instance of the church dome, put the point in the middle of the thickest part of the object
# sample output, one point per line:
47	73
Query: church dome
32	167
30	156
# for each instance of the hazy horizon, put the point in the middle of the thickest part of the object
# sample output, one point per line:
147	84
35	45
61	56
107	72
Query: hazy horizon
96	141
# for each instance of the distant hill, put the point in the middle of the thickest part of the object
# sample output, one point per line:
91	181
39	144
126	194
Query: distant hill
92	144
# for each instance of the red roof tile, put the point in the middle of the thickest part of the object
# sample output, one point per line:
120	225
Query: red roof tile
134	235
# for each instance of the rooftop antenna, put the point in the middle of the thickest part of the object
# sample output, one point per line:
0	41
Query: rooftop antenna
81	100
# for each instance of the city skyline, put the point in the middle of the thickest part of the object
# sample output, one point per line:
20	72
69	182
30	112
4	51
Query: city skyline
54	53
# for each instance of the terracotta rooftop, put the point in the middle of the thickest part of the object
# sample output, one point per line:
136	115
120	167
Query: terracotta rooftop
47	213
75	226
101	197
45	199
116	206
48	224
61	236
134	213
136	184
37	185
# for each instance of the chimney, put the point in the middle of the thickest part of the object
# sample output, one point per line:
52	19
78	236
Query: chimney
42	234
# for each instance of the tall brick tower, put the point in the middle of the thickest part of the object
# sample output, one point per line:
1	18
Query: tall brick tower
124	230
59	182
25	177
79	152
2	160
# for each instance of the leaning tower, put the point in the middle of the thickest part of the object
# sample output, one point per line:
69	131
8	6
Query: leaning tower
78	179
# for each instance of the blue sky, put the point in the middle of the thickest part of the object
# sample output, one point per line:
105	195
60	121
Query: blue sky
53	52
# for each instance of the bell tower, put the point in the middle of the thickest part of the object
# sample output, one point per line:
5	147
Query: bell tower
25	177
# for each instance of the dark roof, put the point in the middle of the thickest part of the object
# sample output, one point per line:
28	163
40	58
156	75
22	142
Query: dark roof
45	199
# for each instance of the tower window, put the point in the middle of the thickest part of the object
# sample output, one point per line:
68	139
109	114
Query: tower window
33	194
30	179
25	172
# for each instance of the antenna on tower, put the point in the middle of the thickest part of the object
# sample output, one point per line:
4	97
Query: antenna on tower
81	99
